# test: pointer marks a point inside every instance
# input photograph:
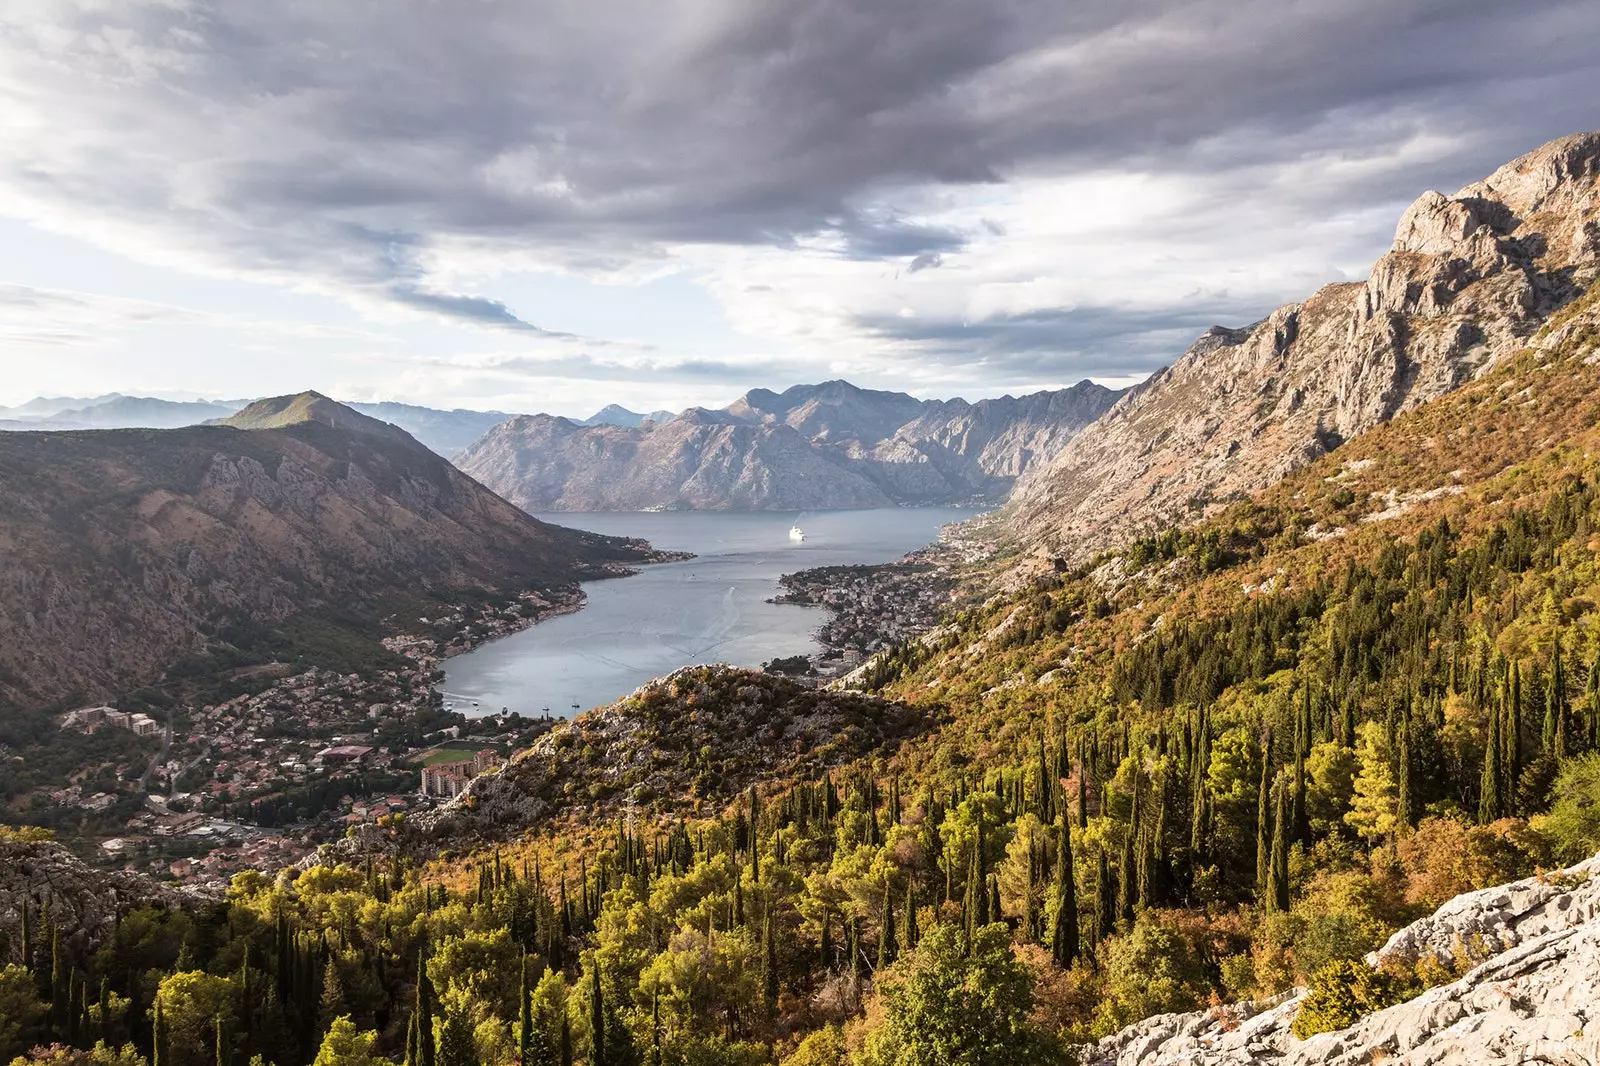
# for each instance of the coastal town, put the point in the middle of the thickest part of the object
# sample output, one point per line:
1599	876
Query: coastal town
869	607
302	754
262	778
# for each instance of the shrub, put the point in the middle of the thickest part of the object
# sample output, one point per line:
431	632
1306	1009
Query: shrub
1342	993
1573	823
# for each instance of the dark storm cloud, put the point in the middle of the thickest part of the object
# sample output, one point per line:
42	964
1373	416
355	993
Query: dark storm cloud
469	308
342	141
1058	344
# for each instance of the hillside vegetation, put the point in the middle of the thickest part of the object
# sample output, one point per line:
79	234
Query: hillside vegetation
1204	765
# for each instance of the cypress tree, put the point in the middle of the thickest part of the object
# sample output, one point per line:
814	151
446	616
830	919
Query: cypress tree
1299	811
755	837
1083	791
597	1012
1278	868
769	963
1555	709
58	982
224	1052
160	1048
912	935
1105	914
566	1039
1511	738
1490	806
1264	817
422	1014
888	946
1064	913
525	1031
1407	795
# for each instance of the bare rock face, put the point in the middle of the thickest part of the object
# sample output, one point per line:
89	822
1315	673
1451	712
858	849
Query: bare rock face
84	903
1469	278
1536	1000
811	446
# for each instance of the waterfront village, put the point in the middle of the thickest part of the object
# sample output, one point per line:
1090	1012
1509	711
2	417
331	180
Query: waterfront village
869	608
260	779
303	754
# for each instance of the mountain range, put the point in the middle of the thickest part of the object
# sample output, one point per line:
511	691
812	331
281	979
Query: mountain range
1469	279
831	445
128	550
1303	769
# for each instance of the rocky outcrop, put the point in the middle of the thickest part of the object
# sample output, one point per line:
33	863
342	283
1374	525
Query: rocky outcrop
813	446
127	550
84	903
1469	278
1537	999
686	743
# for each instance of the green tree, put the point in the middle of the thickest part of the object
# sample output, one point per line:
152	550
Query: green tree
21	1012
944	1006
1573	823
345	1045
1374	808
191	1002
456	1044
1064	900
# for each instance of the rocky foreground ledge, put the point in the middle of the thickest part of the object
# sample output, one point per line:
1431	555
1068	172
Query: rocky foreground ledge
1536	1000
83	902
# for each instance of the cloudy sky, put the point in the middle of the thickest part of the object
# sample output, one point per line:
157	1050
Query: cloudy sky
553	204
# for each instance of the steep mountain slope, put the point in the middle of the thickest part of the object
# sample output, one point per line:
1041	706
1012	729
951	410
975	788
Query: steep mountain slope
828	445
128	549
833	410
545	463
1470	277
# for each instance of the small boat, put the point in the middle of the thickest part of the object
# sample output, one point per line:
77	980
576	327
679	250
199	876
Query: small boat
796	534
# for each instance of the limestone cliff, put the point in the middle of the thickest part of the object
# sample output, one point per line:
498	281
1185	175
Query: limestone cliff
1469	278
1537	999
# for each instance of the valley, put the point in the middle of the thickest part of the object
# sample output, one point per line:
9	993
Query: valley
1261	723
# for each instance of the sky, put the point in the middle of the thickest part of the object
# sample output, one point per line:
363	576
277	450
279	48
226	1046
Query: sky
557	204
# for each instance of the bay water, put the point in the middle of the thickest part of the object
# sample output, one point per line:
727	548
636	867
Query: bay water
709	609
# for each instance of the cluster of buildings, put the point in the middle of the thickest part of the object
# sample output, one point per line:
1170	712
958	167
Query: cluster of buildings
870	608
447	779
90	719
276	756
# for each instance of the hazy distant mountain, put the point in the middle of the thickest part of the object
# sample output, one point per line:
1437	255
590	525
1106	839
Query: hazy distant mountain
446	432
130	549
811	446
46	406
113	411
617	415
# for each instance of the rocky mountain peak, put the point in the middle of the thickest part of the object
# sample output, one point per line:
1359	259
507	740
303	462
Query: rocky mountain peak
1469	279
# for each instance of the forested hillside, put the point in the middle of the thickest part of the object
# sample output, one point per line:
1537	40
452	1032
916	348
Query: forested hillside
1206	767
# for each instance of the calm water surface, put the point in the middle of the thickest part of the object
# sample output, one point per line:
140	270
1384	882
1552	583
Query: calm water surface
710	609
